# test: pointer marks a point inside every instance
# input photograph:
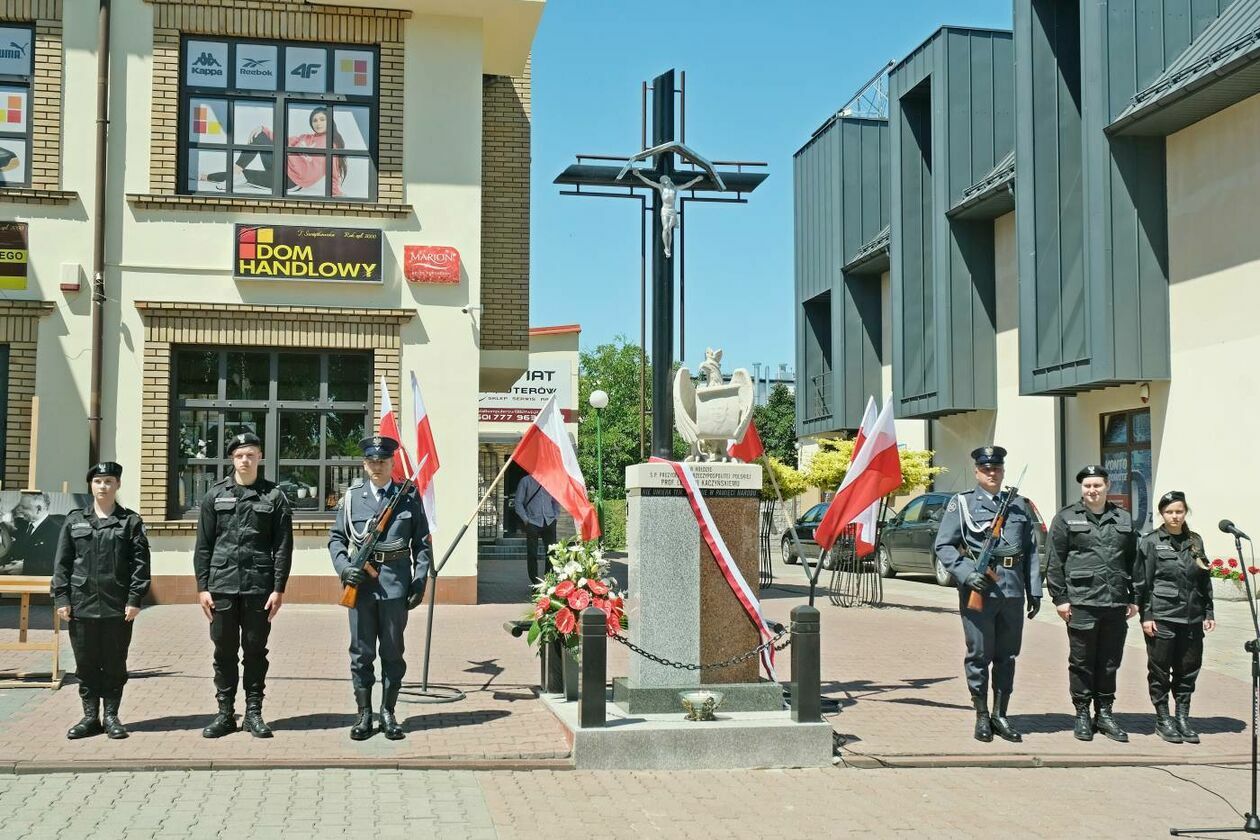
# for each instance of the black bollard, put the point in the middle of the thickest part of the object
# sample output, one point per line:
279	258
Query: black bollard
806	666
553	668
593	699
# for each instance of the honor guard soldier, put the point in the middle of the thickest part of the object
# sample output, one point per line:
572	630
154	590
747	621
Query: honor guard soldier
100	576
994	633
401	559
242	559
1089	571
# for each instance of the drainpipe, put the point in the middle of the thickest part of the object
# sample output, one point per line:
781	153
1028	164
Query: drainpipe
98	231
1063	456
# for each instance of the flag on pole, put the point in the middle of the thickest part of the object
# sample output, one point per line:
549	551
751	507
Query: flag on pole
868	520
388	427
546	453
426	451
748	449
874	473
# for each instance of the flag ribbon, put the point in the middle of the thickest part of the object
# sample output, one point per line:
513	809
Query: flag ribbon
722	556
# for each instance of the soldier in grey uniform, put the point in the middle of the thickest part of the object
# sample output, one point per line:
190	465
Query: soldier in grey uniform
401	558
993	634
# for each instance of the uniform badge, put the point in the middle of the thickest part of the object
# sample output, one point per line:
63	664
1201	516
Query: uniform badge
953	504
376	441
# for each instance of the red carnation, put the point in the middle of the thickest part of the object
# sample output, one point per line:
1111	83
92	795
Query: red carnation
1254	570
597	587
1233	564
564	588
600	604
543	604
614	623
579	599
1218	562
566	622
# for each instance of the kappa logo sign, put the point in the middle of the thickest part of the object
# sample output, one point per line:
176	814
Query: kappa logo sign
305	70
207	65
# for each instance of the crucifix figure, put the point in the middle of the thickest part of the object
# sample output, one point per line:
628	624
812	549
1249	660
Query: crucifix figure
666	204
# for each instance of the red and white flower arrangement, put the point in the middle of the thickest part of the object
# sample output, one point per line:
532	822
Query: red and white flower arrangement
579	578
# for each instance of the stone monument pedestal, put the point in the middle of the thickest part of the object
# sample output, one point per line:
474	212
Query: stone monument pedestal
681	606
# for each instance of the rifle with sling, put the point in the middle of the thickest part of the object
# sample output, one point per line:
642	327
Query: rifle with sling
376	528
987	562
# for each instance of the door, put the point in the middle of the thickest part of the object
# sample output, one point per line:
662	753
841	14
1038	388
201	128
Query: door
899	535
924	535
805	528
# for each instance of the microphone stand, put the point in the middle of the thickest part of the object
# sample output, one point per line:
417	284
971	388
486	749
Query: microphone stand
1251	824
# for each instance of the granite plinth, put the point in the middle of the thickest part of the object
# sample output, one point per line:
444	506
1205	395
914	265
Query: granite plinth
762	696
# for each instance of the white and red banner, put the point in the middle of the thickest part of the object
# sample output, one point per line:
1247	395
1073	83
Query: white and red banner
546	453
426	452
868	520
874	473
722	556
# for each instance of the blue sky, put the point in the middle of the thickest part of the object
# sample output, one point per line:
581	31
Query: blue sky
760	78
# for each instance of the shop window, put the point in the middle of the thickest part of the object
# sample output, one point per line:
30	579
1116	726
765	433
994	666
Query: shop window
1126	455
16	76
311	410
265	118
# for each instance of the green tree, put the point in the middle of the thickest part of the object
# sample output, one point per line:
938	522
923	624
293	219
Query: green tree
776	424
830	464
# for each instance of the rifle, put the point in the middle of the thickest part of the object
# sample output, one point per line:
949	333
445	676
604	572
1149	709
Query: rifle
362	557
987	564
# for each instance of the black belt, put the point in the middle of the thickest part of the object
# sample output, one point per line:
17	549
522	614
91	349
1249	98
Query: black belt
390	556
1009	562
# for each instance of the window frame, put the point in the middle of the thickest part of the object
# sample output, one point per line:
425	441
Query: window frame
272	408
27	83
1127	449
281	100
4	406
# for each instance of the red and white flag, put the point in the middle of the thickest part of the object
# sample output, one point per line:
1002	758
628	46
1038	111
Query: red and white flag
389	428
868	520
748	449
546	453
426	452
874	473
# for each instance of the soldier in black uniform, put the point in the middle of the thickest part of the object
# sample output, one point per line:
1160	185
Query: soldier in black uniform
401	559
1174	595
995	633
100	576
242	560
1091	551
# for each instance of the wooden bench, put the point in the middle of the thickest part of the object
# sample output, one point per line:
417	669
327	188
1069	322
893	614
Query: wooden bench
24	586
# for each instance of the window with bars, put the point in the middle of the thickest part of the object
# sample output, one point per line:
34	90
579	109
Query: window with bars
1126	456
17	47
311	409
268	118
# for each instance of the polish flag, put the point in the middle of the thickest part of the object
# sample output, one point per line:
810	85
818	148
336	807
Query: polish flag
546	453
426	451
874	473
389	428
749	449
868	520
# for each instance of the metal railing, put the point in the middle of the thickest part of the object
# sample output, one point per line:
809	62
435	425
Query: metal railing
818	397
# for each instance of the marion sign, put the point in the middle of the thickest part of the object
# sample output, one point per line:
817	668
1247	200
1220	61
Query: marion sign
276	252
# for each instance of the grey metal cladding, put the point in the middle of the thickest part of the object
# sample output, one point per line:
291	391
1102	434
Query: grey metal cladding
1091	211
951	108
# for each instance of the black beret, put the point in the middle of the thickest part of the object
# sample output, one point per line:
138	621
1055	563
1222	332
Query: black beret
105	468
995	455
378	447
243	439
1170	497
1091	471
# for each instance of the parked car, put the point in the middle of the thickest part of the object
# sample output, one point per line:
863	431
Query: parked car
907	539
805	527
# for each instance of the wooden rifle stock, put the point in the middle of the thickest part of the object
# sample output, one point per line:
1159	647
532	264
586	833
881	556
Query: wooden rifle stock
975	600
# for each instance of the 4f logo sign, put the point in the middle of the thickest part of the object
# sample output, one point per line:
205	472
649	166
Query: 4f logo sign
305	70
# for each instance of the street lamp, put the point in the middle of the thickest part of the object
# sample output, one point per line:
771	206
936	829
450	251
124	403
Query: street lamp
599	401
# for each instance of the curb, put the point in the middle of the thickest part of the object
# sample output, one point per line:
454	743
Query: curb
1012	762
22	768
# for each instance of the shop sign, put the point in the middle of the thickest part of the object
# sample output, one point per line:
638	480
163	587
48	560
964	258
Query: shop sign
13	255
277	252
430	264
530	393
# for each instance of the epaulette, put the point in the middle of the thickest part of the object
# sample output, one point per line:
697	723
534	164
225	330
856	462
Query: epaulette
356	484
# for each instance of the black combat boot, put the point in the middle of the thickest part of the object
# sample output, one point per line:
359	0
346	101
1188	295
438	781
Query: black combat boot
253	720
91	723
984	731
1083	725
224	722
113	726
1165	726
389	723
1106	724
362	728
998	720
1183	720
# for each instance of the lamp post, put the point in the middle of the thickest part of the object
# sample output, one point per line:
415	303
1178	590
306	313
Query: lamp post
599	401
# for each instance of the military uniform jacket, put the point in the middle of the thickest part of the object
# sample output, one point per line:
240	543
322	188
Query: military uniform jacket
958	544
405	540
1170	584
102	565
1091	564
244	539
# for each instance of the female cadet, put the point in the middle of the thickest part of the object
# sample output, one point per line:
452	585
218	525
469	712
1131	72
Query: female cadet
1091	549
1174	593
100	577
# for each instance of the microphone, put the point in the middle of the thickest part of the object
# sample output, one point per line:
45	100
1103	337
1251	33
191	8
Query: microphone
1228	527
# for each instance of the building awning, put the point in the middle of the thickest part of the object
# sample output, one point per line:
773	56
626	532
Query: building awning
991	196
871	258
1220	68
